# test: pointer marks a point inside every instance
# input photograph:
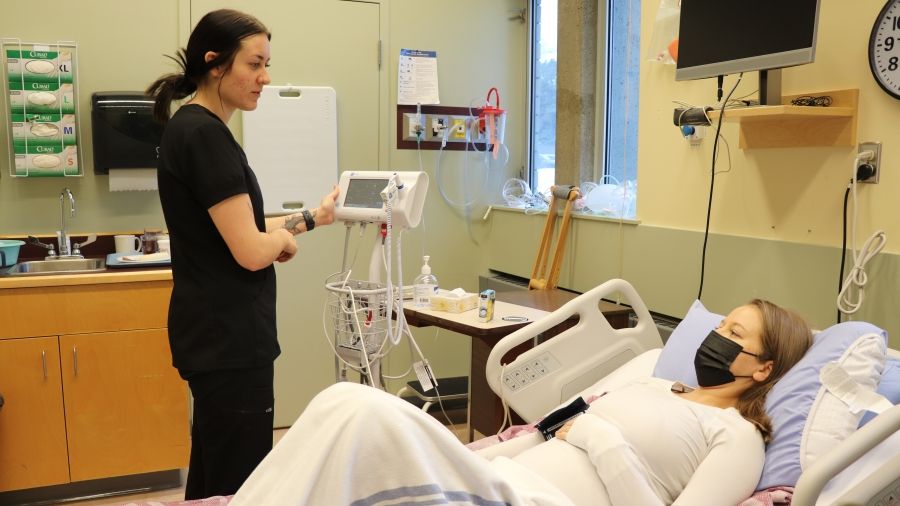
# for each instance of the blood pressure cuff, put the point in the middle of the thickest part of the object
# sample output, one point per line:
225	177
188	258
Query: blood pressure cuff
552	422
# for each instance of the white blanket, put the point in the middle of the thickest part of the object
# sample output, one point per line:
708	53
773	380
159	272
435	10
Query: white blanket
355	445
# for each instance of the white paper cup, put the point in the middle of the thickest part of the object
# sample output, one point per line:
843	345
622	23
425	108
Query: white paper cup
163	245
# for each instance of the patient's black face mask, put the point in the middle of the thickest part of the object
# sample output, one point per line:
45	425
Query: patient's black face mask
713	360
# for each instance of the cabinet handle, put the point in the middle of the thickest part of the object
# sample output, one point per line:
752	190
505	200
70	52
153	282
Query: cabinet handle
44	363
75	354
2	401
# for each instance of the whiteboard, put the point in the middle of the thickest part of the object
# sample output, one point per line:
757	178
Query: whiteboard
291	144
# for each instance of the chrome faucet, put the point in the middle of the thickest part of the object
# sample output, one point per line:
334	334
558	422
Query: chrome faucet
65	246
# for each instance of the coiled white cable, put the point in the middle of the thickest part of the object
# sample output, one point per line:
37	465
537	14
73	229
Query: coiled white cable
856	279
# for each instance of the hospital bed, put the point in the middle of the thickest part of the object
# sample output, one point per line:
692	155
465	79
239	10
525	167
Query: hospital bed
592	357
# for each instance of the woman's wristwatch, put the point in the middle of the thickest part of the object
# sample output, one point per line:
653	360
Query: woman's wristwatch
291	222
308	218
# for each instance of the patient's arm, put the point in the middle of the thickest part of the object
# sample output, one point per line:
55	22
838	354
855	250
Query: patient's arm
617	466
730	471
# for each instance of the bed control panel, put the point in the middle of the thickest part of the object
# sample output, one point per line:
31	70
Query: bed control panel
529	371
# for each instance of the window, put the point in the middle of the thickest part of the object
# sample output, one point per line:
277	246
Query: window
621	98
617	91
542	131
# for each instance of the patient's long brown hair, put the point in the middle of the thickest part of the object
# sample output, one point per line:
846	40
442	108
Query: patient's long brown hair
785	339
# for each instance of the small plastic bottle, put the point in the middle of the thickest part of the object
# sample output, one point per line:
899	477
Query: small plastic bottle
424	286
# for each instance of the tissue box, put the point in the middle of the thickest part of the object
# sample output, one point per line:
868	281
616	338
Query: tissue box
452	303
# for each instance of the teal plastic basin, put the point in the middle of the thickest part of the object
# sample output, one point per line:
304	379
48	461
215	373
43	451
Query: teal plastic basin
9	252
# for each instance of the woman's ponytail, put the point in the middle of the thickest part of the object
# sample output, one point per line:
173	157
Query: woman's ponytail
169	88
220	32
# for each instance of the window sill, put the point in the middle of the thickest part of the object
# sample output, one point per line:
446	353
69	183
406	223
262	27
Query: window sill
575	215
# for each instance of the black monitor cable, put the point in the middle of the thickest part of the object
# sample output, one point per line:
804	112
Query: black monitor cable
720	80
712	184
843	246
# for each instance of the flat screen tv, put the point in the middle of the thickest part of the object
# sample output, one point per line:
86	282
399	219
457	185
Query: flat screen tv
721	37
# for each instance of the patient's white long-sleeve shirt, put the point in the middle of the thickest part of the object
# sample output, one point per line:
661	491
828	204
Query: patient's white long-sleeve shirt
648	446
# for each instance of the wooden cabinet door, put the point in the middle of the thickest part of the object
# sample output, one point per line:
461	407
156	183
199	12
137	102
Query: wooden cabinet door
32	427
126	407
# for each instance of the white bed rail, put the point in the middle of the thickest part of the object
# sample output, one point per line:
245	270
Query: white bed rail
543	377
814	479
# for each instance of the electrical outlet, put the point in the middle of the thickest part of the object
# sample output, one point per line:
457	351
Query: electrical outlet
875	162
693	134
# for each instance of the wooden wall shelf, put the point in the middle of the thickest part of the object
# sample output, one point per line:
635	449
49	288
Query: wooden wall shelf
791	126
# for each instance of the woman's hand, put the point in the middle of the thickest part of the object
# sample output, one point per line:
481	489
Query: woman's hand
325	212
564	430
290	246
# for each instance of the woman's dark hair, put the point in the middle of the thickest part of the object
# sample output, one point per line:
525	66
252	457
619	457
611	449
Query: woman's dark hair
785	339
219	31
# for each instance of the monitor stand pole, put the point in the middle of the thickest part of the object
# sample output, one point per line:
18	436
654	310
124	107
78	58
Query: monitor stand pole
770	87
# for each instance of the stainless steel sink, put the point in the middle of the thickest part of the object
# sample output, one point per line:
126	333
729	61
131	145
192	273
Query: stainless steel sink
58	266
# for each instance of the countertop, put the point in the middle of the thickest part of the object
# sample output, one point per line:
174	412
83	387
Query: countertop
98	278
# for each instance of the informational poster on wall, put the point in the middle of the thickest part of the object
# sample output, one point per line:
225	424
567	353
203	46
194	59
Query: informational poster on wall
417	77
43	114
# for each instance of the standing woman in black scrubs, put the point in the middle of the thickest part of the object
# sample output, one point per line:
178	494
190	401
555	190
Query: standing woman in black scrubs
222	312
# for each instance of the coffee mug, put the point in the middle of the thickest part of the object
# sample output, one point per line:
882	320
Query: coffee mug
163	245
127	244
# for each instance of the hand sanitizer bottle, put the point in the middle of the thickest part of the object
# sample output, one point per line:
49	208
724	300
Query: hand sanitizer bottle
424	286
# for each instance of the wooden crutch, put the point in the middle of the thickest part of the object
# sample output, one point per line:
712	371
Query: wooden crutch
538	281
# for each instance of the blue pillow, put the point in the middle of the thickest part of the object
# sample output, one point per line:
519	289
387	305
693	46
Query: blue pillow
889	386
676	361
808	421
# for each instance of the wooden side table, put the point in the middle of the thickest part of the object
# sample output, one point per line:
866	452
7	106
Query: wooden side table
485	408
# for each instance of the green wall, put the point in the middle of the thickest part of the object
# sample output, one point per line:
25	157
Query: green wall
120	47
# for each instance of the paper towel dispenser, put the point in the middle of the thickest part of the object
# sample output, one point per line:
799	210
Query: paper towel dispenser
125	136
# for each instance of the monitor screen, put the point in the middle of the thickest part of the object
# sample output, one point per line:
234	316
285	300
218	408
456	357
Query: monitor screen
720	37
365	193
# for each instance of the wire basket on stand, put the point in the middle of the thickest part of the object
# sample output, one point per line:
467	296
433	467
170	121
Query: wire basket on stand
358	312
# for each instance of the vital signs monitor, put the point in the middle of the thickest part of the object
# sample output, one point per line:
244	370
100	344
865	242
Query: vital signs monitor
365	196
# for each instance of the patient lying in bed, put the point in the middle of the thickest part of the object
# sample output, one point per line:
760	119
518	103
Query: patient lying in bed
649	442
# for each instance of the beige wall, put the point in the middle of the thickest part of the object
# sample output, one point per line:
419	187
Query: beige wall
791	196
776	225
783	194
120	48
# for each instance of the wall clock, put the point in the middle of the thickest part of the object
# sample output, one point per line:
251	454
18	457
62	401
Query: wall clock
884	48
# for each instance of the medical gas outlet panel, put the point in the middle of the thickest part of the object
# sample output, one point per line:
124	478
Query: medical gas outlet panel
437	127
